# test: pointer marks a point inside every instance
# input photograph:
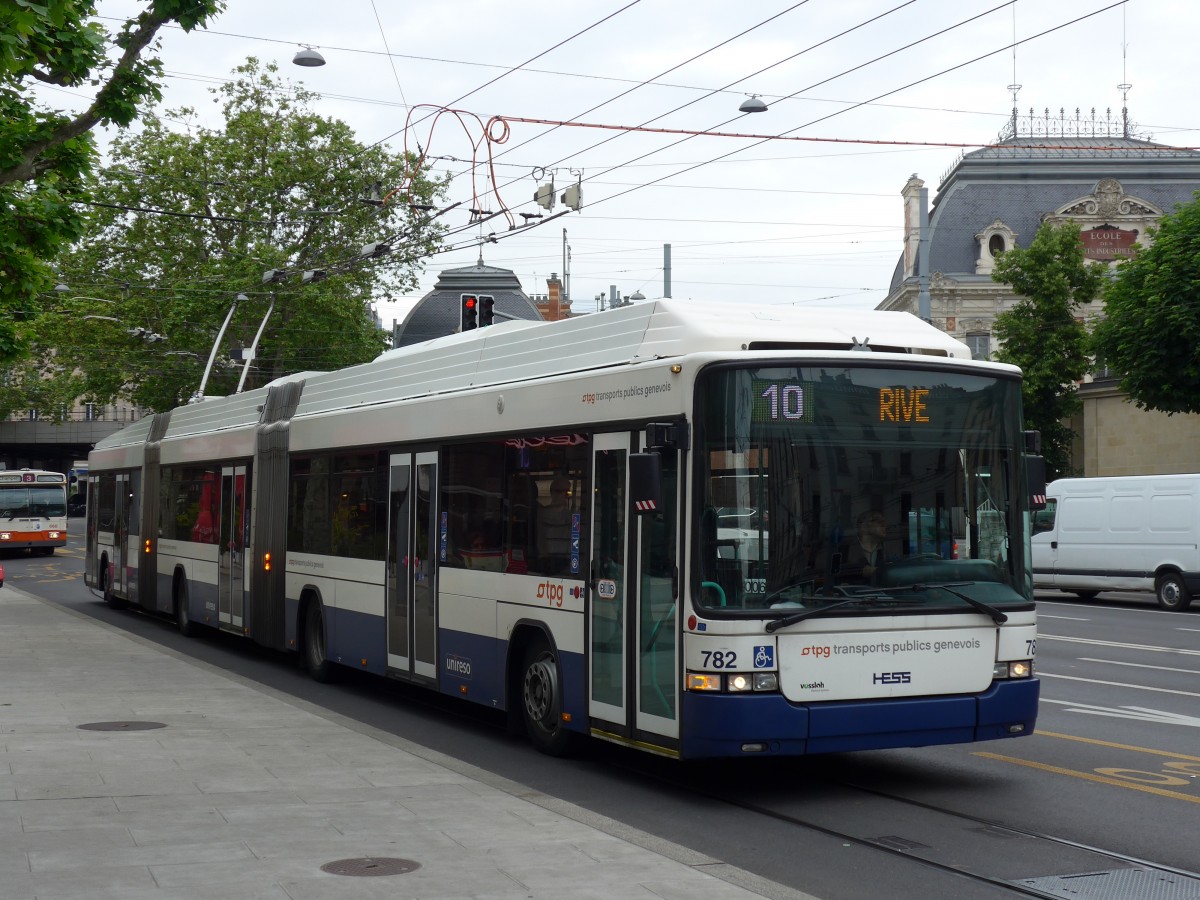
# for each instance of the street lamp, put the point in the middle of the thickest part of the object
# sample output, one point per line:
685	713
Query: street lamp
753	105
308	57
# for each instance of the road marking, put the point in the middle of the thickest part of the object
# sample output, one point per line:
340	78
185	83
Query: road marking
1154	608
1132	747
1088	776
1068	618
1188	629
1113	662
1149	647
1139	713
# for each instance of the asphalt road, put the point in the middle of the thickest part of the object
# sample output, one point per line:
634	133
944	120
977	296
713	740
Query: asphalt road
1114	765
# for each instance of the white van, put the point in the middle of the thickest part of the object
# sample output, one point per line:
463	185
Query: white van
1133	533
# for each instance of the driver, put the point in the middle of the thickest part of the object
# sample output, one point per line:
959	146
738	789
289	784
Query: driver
866	558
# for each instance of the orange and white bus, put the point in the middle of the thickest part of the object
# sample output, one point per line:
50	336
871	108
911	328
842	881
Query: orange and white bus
33	510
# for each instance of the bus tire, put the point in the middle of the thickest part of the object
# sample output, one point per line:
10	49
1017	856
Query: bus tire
183	618
542	699
315	661
106	588
1086	595
1171	592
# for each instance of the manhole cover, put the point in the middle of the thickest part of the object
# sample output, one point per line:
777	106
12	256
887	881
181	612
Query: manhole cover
371	865
122	726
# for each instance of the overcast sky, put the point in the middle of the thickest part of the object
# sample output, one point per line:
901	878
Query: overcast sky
780	221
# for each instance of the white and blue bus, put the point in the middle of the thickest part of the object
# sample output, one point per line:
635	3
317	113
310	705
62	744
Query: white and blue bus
638	525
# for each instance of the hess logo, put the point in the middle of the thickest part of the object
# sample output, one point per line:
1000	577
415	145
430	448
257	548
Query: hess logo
892	678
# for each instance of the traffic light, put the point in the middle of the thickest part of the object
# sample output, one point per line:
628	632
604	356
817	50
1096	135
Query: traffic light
470	312
487	310
544	195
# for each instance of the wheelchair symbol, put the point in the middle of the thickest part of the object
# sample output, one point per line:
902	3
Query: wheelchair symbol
764	657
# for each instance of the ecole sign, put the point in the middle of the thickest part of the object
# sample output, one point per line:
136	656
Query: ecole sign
1107	242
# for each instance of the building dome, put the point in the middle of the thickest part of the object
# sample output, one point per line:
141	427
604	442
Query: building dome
438	312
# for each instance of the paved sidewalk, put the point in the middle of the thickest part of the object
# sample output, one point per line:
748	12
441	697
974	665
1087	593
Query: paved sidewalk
246	793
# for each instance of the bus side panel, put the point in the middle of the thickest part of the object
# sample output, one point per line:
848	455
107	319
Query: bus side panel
357	633
471	666
200	570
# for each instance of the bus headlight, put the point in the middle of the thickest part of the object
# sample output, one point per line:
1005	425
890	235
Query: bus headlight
734	682
766	681
1021	668
739	683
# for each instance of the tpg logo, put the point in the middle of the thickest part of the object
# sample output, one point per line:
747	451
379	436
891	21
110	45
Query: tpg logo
892	678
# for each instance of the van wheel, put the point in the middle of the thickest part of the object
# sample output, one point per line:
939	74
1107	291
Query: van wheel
542	700
1086	595
1171	593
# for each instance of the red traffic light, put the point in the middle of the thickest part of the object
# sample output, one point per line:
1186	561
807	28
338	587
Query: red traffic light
469	315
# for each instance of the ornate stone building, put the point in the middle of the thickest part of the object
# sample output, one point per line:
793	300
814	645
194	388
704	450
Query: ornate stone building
1087	171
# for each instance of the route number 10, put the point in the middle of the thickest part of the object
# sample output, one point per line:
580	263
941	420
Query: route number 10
786	401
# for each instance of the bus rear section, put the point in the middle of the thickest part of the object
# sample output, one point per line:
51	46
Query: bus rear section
33	511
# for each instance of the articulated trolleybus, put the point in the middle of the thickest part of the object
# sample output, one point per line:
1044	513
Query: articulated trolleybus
641	525
33	510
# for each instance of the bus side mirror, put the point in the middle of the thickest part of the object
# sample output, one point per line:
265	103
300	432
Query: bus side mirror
645	482
1035	477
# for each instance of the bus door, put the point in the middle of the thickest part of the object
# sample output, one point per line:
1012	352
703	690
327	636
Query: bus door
632	615
231	547
120	561
416	540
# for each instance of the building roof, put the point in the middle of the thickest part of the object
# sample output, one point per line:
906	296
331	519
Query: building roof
1022	179
438	312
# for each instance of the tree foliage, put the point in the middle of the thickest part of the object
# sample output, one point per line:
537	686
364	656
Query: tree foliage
1150	335
1041	335
185	222
45	154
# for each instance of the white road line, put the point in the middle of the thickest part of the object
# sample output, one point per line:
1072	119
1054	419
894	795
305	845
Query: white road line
1113	662
1138	713
1074	640
1132	687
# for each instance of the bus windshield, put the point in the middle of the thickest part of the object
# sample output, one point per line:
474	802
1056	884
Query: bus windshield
32	501
863	486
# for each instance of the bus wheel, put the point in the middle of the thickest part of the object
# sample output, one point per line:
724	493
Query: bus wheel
106	587
541	700
1171	593
1086	595
315	660
183	618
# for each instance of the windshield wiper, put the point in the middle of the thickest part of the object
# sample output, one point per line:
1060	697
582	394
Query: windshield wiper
784	622
998	617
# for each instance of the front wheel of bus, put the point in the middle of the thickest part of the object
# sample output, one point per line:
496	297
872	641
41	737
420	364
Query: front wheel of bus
1171	592
541	700
315	660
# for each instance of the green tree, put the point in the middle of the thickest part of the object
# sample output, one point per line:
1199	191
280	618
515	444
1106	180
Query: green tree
185	221
1041	335
45	154
1150	334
